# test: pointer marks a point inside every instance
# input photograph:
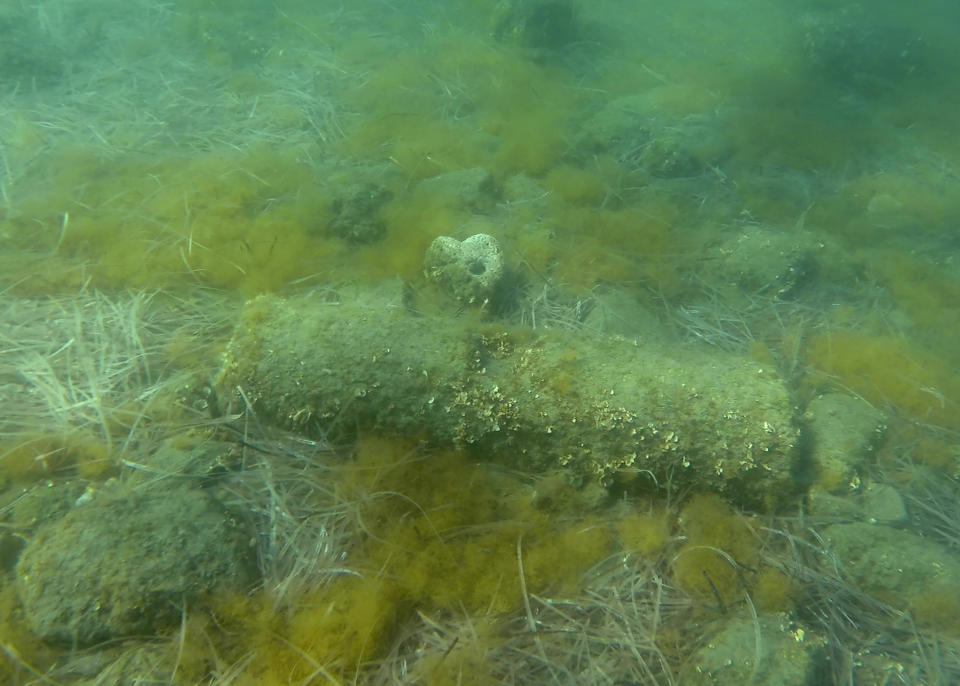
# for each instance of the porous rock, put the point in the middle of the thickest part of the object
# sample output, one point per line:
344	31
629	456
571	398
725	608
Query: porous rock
469	270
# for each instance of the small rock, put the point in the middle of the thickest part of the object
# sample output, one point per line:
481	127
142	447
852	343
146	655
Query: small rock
474	189
842	431
830	507
897	566
356	213
470	270
764	259
756	650
882	504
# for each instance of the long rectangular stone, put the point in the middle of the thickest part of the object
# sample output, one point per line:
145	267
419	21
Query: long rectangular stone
603	408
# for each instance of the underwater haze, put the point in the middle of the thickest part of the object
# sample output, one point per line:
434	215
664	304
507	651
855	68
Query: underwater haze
479	342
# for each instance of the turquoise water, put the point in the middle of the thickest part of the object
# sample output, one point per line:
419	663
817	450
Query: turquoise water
747	185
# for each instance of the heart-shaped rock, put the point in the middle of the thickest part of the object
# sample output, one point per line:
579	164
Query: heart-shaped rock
470	270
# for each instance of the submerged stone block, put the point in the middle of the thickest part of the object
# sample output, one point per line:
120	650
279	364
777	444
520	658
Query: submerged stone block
603	408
